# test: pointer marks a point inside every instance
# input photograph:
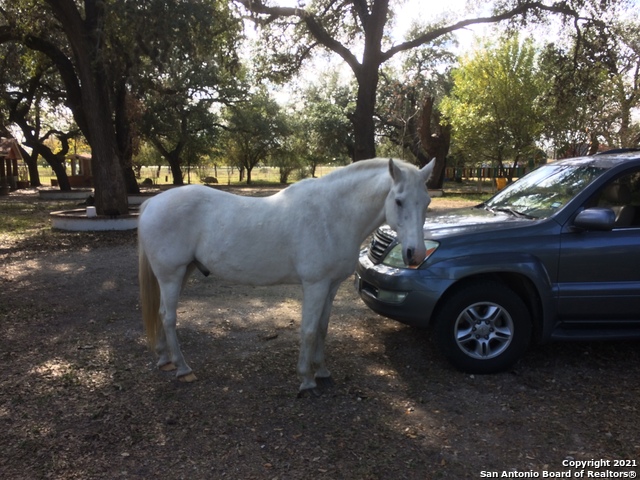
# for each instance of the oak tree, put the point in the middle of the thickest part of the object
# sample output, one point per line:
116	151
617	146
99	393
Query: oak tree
359	32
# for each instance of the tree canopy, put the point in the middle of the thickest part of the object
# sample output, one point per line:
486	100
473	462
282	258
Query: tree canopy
178	82
493	106
255	129
108	54
591	89
353	26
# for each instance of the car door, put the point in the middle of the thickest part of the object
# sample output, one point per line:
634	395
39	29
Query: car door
599	271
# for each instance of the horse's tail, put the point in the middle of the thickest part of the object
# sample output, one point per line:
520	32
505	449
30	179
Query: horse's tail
149	296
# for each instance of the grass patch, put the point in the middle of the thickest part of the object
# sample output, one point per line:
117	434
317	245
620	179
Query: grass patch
20	218
15	219
25	217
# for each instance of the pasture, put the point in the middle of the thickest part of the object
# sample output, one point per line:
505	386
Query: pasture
80	396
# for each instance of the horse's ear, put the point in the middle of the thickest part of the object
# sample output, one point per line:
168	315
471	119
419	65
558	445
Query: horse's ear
427	170
394	170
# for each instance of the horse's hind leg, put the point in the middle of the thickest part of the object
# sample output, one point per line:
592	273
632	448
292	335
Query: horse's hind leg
162	350
170	292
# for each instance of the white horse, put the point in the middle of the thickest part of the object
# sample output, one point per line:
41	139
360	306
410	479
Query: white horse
309	233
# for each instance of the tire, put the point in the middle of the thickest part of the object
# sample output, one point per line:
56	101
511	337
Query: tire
483	327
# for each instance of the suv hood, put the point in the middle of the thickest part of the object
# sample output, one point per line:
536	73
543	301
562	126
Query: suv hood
465	221
470	220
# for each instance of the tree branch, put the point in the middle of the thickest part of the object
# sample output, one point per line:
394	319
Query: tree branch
363	12
62	62
315	28
438	32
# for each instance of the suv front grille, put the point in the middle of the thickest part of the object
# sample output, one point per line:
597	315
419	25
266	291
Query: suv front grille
379	245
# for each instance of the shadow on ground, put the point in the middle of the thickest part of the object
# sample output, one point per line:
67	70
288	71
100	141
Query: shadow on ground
80	397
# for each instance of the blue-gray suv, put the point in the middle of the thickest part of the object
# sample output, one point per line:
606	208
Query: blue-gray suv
553	256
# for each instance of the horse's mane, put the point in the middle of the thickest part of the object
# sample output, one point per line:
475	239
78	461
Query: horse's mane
375	165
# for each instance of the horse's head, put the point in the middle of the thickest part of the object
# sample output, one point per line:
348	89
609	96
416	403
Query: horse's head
406	208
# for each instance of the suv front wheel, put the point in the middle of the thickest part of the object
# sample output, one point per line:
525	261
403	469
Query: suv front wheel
483	327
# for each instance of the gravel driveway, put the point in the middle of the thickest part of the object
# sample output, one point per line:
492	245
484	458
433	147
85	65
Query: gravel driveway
80	397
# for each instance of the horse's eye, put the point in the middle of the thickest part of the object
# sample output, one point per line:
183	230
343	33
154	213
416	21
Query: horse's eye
398	202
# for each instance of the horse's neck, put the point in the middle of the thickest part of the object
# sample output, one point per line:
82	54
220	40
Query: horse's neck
366	196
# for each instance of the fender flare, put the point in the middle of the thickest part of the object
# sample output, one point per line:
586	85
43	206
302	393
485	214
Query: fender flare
525	266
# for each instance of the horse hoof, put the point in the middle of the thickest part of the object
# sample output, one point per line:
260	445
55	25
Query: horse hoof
325	382
167	367
309	392
188	378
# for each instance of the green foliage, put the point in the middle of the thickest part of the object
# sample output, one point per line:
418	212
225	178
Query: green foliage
323	124
148	156
493	106
186	76
359	32
255	129
411	93
592	86
167	66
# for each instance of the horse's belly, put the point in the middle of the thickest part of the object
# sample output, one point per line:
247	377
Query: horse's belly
265	271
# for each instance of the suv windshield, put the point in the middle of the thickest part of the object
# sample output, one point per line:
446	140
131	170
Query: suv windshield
544	191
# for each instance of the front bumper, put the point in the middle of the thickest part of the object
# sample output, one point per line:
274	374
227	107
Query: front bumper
406	295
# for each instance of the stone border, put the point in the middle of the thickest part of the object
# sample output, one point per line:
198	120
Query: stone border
75	194
77	221
139	198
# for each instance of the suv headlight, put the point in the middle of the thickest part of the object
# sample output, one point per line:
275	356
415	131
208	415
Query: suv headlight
394	257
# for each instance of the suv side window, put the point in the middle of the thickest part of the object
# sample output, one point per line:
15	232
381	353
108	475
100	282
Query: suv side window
622	195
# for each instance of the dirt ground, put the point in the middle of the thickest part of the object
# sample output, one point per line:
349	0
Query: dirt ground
80	397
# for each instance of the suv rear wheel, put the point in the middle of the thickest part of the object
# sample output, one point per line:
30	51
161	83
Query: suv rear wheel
483	327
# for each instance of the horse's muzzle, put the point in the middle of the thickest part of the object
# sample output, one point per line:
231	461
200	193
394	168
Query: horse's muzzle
414	257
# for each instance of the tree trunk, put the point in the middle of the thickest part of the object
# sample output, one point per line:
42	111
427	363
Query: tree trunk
56	162
174	164
86	39
61	175
32	165
130	180
124	138
367	75
362	119
435	143
172	157
34	175
110	190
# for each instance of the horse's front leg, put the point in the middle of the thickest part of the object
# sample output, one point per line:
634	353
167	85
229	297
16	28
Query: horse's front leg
322	373
313	304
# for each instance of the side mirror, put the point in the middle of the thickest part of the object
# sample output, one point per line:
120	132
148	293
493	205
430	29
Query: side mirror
601	219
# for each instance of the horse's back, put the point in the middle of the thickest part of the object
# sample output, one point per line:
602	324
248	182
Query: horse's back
227	233
188	194
171	222
184	204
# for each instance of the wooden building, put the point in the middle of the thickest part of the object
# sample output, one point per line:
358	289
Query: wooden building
81	175
9	158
